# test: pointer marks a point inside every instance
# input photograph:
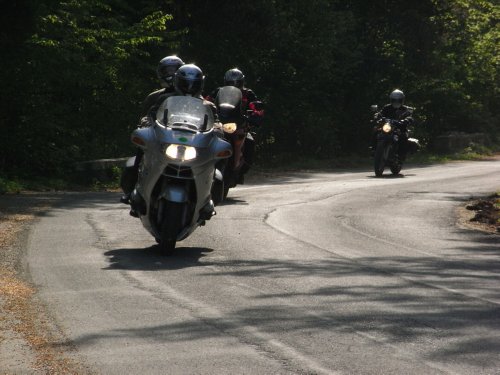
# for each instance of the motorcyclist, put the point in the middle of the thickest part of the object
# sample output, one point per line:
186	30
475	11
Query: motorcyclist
165	72
250	102
166	69
396	110
188	80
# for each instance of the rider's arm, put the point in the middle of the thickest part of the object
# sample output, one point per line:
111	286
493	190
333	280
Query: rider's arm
256	117
407	119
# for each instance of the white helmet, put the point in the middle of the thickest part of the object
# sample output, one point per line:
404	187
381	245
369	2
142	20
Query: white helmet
397	98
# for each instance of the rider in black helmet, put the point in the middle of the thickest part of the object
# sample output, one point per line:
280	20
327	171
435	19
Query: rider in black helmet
165	72
396	110
235	77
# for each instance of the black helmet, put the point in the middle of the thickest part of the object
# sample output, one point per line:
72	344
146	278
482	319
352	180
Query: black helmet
189	80
397	98
234	77
166	70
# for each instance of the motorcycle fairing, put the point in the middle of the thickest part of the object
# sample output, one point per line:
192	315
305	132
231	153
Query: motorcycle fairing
184	115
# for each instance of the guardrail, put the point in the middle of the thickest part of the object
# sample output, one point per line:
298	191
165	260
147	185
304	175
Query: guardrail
456	142
102	170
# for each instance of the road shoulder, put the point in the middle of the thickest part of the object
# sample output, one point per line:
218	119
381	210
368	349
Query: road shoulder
481	214
30	343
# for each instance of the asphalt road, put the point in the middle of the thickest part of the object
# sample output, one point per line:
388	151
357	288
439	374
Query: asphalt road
330	273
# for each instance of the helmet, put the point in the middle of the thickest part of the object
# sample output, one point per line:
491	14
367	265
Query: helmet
189	80
234	77
166	70
397	98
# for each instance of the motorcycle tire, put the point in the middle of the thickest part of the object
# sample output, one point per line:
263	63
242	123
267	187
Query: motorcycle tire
380	159
228	183
170	227
396	167
226	191
218	190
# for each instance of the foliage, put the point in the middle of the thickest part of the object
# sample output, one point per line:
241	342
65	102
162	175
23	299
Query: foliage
9	186
78	82
75	72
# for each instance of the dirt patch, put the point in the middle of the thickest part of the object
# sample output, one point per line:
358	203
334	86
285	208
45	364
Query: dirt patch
29	341
482	214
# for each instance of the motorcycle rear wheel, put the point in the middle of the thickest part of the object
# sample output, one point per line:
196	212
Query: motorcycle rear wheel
396	167
226	192
218	189
170	227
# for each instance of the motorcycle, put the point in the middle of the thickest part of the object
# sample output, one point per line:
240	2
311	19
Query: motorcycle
236	126
173	193
388	133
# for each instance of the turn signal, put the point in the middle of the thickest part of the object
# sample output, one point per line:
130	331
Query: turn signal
224	154
138	141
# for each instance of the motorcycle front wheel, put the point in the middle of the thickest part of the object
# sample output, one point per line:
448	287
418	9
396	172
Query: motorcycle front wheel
381	153
170	227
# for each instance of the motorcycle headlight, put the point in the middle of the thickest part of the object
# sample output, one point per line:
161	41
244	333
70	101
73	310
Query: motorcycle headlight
386	128
180	152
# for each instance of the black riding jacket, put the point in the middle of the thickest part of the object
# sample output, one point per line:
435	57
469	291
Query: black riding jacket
155	98
403	114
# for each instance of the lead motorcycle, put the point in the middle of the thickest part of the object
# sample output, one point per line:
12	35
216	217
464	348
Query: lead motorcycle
172	196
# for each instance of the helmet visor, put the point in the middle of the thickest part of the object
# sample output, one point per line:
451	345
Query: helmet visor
236	83
396	103
192	87
167	71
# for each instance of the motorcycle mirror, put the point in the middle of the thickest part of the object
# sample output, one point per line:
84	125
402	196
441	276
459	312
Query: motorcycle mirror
230	127
165	116
374	108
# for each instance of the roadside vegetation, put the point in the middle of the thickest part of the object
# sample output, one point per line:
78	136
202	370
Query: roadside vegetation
486	213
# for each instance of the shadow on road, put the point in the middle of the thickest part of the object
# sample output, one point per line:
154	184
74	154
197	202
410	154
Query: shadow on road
396	313
233	201
453	304
151	259
389	176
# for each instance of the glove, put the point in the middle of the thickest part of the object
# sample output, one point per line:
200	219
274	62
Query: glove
145	122
218	129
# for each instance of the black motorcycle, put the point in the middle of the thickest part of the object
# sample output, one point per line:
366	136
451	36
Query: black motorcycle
388	134
387	149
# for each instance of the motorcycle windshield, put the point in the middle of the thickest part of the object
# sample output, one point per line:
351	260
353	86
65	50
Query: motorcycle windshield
228	103
185	112
229	95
